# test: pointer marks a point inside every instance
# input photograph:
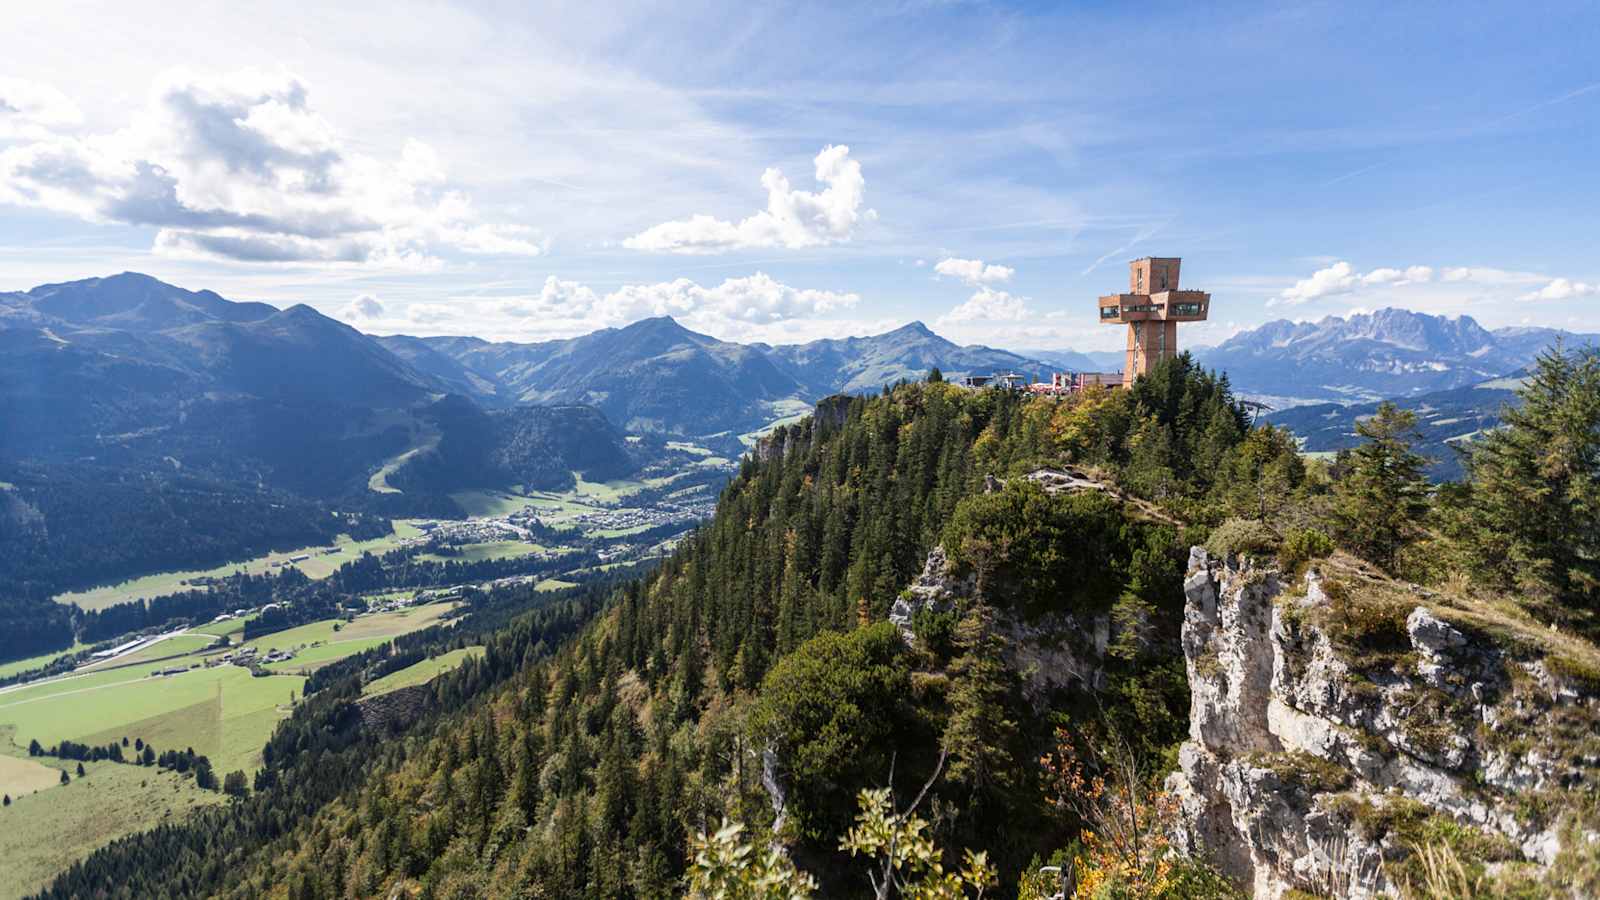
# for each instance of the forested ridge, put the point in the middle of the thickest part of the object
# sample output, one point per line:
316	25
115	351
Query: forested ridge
757	661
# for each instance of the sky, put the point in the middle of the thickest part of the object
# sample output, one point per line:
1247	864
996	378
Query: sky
783	172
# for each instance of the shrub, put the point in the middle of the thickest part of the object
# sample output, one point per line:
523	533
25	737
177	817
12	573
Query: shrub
1302	545
1237	537
935	630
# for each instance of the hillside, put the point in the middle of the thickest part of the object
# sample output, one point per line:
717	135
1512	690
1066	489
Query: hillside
150	428
858	364
621	743
988	595
1446	420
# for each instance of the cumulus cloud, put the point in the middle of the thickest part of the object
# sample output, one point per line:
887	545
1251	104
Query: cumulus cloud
1408	275
988	304
1339	278
29	110
1342	278
1562	289
756	299
973	271
793	218
1490	276
243	167
364	307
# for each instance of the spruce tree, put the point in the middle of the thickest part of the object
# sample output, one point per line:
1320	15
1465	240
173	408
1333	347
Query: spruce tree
1380	501
1535	481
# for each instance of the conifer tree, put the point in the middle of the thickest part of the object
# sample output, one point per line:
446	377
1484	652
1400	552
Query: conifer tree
1535	481
979	733
1380	501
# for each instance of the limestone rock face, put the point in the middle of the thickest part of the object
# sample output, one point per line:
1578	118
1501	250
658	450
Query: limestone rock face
1314	761
1049	652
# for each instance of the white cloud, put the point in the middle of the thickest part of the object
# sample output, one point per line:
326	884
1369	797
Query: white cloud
1486	275
988	304
240	166
973	271
363	307
736	306
792	219
29	109
1408	275
1342	278
1562	289
1339	278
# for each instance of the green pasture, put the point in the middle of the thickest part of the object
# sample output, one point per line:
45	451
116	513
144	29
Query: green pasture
421	673
319	565
217	711
225	628
33	662
161	651
42	834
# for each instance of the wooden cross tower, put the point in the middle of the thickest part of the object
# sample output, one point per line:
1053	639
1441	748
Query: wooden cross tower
1152	309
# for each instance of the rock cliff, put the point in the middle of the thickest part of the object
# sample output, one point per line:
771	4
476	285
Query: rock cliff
1346	728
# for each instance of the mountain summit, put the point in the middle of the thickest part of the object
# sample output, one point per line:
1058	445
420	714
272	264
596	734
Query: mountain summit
1369	356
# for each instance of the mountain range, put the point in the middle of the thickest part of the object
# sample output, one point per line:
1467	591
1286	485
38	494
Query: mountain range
657	376
1391	353
128	370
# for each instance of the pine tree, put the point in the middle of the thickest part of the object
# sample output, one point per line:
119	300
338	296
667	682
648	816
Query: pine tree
979	735
1535	481
1380	501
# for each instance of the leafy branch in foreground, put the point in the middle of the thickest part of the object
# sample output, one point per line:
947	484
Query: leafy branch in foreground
906	861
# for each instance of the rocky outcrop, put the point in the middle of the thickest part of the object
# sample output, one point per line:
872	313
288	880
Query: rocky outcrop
1050	652
393	710
1335	731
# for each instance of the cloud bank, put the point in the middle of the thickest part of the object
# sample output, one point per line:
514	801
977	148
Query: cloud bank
242	167
757	306
793	218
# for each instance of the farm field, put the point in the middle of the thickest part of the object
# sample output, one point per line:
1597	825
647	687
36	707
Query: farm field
225	628
20	776
421	673
177	645
222	712
484	551
378	625
319	565
34	662
42	834
210	710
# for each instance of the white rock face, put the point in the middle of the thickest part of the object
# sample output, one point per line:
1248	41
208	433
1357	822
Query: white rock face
1288	738
1049	652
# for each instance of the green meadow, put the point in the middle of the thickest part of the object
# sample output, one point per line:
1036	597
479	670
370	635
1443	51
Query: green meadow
422	672
44	832
320	564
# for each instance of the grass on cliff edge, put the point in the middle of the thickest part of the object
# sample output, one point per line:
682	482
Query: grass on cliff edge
1368	605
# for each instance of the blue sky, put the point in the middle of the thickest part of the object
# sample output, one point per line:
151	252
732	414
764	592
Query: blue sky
986	168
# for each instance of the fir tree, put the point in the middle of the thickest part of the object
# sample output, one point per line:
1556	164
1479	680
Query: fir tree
1535	482
1380	501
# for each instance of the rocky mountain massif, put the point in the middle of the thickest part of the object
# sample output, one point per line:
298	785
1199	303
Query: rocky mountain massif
657	376
1341	720
1390	353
